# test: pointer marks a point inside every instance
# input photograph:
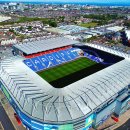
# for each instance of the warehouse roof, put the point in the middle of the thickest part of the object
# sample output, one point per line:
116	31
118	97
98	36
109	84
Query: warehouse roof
73	28
115	28
128	34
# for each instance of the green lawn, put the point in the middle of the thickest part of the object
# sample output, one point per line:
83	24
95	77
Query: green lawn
91	24
63	70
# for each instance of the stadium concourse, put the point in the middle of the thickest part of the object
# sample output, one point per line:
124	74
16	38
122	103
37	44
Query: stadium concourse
91	84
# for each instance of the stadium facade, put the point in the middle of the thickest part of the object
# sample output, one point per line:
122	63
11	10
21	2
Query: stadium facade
85	103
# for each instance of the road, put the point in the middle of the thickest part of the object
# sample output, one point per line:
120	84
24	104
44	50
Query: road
4	119
125	126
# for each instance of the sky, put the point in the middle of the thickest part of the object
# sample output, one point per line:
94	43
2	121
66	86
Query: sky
81	1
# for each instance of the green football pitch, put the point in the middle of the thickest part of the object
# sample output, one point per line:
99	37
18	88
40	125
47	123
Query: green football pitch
66	69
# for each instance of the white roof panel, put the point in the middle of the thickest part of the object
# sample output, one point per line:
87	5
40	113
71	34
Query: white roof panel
41	101
43	45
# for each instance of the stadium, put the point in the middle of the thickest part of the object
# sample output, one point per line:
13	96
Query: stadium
61	84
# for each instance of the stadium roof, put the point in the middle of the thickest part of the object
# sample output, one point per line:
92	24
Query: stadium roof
43	45
41	101
110	50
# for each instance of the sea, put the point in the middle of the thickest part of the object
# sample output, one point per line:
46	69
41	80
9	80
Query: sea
76	3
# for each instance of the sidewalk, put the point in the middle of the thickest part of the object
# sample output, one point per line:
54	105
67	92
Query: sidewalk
125	117
10	112
112	125
1	126
109	122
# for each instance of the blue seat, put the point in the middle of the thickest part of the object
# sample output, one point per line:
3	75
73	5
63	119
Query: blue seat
70	54
74	51
45	61
51	58
29	63
38	63
59	58
65	55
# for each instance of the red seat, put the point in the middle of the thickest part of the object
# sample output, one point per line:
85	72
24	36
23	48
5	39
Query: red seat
47	52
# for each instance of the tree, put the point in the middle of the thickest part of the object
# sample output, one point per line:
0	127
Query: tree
52	23
21	28
11	30
127	23
30	28
61	18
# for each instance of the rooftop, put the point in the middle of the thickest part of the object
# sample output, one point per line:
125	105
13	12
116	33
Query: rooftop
115	28
43	45
73	28
128	34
